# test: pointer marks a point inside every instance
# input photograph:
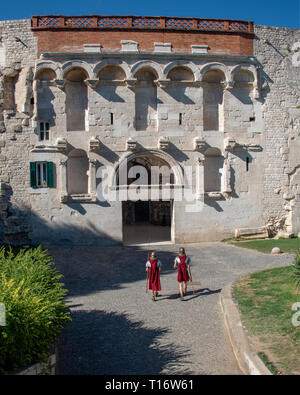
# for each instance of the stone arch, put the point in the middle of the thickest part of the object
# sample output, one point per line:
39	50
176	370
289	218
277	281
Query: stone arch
249	69
47	66
77	64
243	86
111	62
216	67
44	97
182	63
111	73
46	74
213	151
75	74
147	64
181	73
162	156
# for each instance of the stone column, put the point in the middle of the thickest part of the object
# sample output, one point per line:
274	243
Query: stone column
2	125
35	86
200	179
92	178
226	178
63	180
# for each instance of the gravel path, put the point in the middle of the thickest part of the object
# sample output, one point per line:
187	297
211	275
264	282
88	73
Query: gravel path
117	329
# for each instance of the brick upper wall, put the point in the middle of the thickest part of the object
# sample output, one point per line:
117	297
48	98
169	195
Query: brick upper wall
60	33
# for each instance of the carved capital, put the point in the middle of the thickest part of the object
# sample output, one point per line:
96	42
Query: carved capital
163	144
199	144
131	145
163	83
94	144
92	83
228	85
61	144
93	162
230	144
60	84
130	83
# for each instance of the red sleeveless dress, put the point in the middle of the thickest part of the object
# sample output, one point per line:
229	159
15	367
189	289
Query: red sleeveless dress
154	280
183	274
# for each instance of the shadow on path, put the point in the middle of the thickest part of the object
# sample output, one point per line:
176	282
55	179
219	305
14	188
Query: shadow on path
104	343
98	269
198	293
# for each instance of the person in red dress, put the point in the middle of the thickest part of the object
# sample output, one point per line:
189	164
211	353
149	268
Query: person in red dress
153	266
183	263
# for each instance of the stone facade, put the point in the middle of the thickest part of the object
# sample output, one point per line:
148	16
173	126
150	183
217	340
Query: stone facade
231	118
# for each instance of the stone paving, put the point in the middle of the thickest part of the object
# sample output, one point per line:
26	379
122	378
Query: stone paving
117	329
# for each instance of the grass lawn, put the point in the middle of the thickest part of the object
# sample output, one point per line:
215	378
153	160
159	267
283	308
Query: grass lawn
266	245
265	300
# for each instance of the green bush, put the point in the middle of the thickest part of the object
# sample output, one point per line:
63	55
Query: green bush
32	294
296	271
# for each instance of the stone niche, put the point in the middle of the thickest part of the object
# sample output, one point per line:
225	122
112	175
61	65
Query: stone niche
145	100
213	166
76	99
45	95
77	172
213	104
241	106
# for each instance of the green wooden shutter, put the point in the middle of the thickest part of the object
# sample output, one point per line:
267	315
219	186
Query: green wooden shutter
50	181
33	174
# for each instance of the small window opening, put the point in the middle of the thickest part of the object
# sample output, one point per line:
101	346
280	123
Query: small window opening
180	118
247	163
41	174
44	131
32	100
252	119
111	118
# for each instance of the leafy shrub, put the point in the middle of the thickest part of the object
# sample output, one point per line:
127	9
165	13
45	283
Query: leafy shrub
32	294
296	271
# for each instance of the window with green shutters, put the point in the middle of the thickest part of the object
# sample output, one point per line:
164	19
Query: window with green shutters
41	175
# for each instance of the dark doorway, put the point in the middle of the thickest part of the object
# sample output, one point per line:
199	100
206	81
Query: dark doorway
146	222
141	211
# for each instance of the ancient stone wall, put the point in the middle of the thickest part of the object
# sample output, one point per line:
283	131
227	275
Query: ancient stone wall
234	118
19	51
280	75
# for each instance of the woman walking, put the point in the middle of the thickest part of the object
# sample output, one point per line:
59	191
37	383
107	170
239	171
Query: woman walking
183	263
153	266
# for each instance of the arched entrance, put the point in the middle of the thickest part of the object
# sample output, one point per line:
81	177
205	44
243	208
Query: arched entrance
147	213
